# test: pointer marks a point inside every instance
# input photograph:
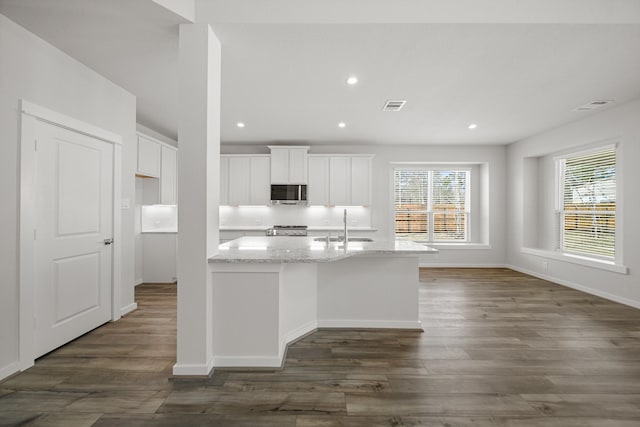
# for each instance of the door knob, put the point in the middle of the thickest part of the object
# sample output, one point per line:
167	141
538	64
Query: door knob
108	241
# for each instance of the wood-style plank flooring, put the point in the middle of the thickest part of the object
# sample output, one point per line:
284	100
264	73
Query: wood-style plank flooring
499	348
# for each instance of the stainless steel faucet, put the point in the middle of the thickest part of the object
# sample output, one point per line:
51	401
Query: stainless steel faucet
344	220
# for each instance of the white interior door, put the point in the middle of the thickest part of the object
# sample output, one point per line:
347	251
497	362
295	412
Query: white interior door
74	225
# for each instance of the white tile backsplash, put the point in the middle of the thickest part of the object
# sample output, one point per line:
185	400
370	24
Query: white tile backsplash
312	216
159	218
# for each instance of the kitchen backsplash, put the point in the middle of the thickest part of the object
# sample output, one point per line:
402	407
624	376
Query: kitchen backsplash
312	216
159	218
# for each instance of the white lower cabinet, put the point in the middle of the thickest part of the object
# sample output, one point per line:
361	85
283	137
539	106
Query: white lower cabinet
159	257
227	235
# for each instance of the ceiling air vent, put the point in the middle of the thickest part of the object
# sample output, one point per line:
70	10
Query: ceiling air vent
393	105
593	105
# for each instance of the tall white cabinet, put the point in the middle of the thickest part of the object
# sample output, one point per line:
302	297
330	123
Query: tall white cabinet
157	165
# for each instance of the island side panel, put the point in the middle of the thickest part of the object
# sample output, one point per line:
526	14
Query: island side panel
245	315
369	292
298	301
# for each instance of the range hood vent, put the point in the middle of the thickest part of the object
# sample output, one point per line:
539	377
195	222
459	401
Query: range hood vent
394	105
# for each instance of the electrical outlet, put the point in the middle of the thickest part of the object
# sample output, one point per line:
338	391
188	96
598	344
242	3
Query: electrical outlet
545	265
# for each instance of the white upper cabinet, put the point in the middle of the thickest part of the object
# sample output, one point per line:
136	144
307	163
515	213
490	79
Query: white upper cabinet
339	181
244	180
318	182
148	157
298	165
336	180
260	188
239	180
224	180
288	164
169	176
279	166
361	181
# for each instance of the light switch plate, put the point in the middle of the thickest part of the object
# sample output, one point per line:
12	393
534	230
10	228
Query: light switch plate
124	204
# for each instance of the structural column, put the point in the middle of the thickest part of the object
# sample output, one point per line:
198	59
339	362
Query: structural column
199	190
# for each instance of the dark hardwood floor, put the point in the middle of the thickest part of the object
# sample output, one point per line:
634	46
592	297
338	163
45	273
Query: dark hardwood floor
499	348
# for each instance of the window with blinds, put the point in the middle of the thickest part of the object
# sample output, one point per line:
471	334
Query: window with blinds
431	205
588	203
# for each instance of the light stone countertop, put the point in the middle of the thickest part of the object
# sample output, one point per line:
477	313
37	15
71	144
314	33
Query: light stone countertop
284	249
309	228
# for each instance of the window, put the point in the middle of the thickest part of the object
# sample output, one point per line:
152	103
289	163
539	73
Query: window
432	205
587	203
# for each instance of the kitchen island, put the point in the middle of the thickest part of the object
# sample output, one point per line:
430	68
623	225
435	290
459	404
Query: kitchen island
270	291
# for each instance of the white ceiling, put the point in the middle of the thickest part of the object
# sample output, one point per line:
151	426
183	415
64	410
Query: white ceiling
284	68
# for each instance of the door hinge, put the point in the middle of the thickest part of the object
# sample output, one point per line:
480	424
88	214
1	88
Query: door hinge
35	234
35	145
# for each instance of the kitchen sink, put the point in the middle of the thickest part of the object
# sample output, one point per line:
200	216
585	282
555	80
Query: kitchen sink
340	239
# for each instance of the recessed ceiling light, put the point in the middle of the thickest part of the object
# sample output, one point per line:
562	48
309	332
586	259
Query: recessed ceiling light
352	80
473	126
342	125
240	124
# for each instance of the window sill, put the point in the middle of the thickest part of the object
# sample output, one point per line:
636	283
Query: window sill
576	259
461	246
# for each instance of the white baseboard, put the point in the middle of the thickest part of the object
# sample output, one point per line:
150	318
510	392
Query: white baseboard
299	332
265	361
586	289
247	362
436	265
9	370
138	282
128	309
193	370
373	324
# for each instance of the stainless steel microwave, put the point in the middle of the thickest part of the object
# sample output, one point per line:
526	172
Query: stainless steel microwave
289	194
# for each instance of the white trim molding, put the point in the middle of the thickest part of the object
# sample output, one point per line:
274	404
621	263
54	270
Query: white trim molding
128	309
572	285
193	370
30	115
576	259
370	324
10	369
68	122
247	361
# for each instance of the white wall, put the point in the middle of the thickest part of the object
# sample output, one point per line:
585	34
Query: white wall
37	72
137	231
493	159
531	159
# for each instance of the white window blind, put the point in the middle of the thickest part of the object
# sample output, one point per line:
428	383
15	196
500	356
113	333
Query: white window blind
449	205
588	203
411	189
431	205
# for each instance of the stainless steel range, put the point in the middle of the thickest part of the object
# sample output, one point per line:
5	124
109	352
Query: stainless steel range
287	230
